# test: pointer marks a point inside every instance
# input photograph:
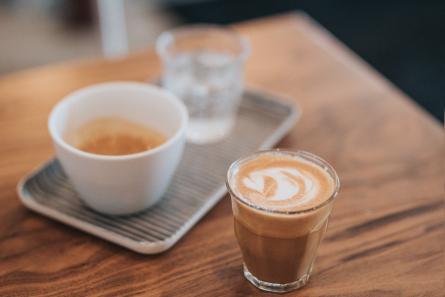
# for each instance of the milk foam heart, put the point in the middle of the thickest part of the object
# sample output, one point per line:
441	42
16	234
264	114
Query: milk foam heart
282	182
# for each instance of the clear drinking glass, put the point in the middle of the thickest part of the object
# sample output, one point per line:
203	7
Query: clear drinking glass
203	65
279	247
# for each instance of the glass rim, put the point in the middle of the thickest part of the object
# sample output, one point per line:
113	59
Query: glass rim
300	153
168	37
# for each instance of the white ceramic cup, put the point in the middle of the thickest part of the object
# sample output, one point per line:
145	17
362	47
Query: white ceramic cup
128	183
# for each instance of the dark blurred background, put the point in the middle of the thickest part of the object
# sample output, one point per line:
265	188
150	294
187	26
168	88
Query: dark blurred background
404	40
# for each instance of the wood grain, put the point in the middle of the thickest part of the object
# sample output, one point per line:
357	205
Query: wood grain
386	234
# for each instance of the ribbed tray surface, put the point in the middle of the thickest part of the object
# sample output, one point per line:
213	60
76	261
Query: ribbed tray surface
197	185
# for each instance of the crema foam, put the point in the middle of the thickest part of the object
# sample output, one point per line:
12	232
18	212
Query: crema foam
282	182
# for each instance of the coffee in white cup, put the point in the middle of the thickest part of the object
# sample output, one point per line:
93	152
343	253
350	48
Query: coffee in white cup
120	183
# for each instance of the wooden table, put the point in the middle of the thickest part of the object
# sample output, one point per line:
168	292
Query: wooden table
386	234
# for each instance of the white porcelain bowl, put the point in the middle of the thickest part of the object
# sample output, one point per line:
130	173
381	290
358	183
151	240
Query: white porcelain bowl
128	183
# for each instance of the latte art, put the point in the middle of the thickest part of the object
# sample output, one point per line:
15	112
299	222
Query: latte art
281	183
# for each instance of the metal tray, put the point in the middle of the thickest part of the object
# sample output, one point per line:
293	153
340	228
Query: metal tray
198	184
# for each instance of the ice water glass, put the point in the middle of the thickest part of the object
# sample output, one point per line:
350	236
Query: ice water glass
203	65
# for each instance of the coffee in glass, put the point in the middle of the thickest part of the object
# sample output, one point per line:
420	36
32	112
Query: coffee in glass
281	202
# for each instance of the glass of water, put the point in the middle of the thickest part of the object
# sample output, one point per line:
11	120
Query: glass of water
203	65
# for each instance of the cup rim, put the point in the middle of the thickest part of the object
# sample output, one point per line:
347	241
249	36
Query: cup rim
179	105
168	37
300	153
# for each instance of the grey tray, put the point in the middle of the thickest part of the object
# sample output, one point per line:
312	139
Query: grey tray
262	120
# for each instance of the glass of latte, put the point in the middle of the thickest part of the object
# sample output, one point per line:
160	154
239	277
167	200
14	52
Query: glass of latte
281	203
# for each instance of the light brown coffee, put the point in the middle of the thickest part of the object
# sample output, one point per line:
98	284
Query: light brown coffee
114	136
278	242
